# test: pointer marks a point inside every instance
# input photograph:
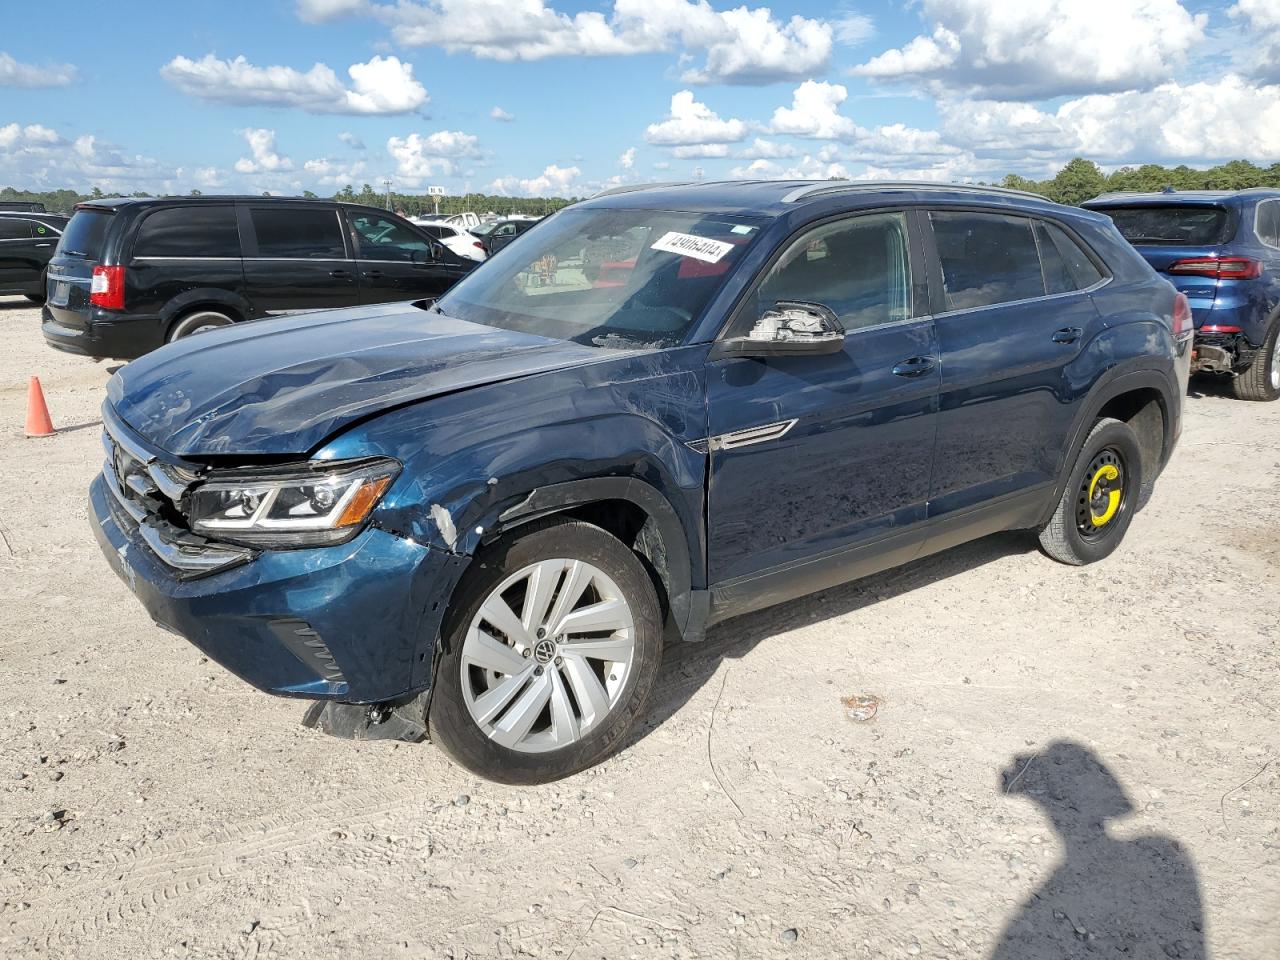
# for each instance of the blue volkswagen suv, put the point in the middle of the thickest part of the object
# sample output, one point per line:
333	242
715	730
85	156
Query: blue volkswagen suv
480	518
1221	249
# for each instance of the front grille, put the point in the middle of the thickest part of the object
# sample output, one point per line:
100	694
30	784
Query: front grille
145	495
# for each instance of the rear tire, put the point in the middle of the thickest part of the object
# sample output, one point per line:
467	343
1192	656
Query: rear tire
38	298
198	321
533	702
1101	496
1261	381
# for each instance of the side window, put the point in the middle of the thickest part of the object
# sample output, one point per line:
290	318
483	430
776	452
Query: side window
859	268
11	228
986	259
1269	222
506	230
1066	267
432	230
298	233
195	231
1083	271
381	238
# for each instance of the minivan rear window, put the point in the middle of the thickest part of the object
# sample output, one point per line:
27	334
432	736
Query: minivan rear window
201	230
1196	226
85	233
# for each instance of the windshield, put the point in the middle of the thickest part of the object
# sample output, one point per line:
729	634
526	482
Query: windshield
606	278
1176	223
83	236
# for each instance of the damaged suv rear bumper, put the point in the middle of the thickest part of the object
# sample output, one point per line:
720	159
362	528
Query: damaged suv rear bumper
355	623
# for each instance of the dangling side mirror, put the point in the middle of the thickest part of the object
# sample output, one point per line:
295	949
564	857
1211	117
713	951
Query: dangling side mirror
790	328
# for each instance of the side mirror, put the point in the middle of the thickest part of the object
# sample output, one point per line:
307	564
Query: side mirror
791	328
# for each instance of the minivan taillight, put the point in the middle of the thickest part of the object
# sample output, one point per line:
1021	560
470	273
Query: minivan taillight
1183	325
106	289
1218	268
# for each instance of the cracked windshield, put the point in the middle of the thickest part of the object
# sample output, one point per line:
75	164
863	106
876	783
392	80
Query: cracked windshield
606	278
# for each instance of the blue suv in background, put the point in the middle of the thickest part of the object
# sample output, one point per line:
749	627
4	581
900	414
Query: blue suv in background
1221	249
482	516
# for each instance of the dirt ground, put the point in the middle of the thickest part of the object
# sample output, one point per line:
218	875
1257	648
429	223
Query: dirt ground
1063	762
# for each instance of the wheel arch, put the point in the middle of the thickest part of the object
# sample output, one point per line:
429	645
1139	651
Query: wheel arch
636	513
191	301
1128	394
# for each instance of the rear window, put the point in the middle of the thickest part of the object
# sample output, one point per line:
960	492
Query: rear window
184	232
987	259
1268	222
1066	266
85	234
12	228
1173	224
298	233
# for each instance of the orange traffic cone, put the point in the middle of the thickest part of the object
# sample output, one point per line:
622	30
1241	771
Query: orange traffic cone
38	422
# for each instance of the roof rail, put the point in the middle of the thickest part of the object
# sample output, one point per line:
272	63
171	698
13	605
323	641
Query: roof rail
633	187
842	186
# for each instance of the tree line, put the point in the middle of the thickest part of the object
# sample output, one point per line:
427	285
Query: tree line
1078	181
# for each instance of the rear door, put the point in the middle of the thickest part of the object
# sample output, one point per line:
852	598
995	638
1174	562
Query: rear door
296	257
1013	311
500	236
397	260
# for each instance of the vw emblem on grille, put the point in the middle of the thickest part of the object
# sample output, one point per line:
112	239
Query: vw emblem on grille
544	650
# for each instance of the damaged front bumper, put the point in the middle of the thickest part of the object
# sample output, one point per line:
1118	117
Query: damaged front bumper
355	623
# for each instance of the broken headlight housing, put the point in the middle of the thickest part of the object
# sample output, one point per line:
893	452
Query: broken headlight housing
313	504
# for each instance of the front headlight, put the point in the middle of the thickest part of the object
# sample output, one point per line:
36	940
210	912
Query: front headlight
317	504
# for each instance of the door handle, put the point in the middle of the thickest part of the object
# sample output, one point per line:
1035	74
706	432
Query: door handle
373	274
340	274
1067	335
41	246
915	367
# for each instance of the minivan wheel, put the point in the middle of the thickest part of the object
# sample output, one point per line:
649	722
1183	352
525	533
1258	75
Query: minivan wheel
1101	496
1261	381
199	321
549	654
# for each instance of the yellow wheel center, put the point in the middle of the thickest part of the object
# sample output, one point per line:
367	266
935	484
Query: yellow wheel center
1107	473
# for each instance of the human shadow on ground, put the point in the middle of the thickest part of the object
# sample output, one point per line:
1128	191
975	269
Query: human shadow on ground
687	667
1136	898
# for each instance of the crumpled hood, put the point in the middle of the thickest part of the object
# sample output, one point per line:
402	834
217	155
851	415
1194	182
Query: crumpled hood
279	387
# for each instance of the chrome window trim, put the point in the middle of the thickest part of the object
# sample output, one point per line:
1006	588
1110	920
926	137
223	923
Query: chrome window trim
1010	303
224	259
38	223
343	259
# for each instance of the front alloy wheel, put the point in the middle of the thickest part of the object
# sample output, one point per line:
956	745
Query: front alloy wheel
551	646
547	655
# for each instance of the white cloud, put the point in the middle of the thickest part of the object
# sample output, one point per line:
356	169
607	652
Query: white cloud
15	73
1201	123
497	113
13	136
322	11
1260	57
37	156
266	158
701	151
691	122
662	165
554	182
1036	49
854	28
815	112
806	168
326	172
383	85
761	149
351	140
628	158
419	158
741	45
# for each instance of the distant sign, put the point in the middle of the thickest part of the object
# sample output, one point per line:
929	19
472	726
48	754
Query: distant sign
435	191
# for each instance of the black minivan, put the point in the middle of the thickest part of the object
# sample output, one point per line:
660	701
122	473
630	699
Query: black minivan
132	274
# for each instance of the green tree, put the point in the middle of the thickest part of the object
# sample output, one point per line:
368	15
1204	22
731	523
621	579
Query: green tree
1078	181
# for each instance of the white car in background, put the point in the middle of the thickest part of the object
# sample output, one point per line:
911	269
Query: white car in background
455	238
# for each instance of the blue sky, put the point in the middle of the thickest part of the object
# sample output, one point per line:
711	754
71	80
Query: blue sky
549	97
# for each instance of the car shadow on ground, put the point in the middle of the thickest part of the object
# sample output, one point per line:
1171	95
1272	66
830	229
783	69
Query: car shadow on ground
21	303
1108	897
687	667
1209	385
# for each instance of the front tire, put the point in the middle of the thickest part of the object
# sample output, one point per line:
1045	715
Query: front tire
549	654
1261	381
1101	496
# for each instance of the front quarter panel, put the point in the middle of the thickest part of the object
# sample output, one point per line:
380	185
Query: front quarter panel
472	455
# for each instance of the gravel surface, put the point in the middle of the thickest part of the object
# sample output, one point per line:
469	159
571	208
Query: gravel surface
984	754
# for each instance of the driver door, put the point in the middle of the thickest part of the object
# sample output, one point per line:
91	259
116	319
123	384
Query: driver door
399	262
813	457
